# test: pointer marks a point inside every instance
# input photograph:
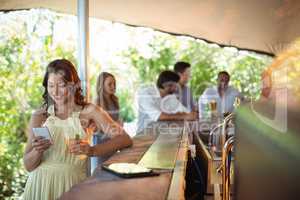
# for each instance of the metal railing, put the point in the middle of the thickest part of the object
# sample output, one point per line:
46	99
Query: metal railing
224	136
226	164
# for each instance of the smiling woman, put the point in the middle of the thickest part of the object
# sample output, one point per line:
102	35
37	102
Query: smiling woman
61	82
56	165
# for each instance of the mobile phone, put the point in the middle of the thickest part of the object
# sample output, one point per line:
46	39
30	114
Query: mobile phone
42	131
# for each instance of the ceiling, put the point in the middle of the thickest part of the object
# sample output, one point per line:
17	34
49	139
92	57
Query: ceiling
265	26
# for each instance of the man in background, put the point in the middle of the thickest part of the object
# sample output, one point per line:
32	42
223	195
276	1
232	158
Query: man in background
223	94
183	69
158	102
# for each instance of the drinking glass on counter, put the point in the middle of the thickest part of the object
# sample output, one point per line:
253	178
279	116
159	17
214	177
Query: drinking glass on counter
210	109
213	107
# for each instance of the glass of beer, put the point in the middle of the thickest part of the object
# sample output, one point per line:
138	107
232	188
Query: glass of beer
75	140
213	107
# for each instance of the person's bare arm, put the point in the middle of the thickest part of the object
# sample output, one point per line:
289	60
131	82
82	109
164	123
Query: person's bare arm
35	145
177	116
110	146
119	138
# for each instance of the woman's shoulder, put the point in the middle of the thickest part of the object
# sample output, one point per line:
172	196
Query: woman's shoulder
39	114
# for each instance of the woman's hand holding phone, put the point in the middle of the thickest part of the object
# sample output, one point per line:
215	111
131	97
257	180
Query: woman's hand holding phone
40	144
41	140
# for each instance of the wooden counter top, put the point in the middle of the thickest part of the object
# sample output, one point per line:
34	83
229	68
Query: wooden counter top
170	184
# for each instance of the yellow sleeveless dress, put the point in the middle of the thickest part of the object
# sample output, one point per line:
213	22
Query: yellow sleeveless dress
59	170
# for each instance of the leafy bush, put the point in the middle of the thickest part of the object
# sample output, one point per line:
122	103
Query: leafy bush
206	61
13	116
126	109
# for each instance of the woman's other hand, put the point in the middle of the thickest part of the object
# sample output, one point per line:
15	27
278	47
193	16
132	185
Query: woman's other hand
79	147
40	144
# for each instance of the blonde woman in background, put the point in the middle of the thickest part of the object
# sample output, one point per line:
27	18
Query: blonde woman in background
106	98
108	101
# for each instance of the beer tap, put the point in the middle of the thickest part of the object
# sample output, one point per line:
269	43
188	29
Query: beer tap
226	163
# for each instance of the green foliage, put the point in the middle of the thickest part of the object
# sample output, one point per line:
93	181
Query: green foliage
126	109
16	84
163	57
247	75
206	61
204	77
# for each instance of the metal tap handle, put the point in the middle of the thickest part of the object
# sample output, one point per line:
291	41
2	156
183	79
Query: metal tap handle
228	118
224	129
212	132
226	162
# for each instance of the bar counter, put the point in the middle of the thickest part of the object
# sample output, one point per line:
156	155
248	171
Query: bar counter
170	184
